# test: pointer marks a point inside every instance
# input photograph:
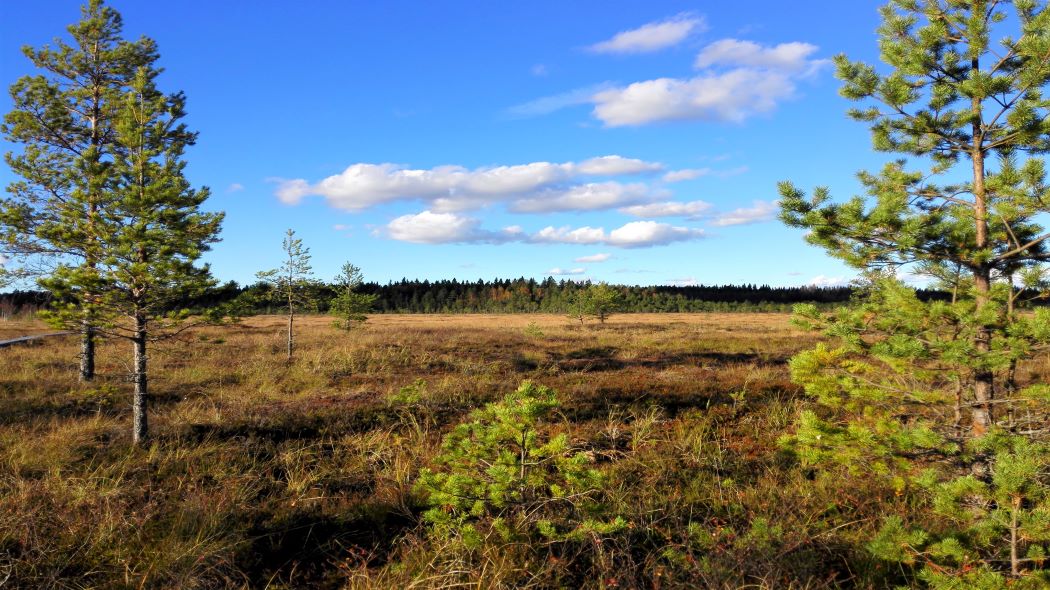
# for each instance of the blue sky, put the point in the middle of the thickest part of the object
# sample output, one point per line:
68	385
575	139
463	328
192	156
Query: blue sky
629	142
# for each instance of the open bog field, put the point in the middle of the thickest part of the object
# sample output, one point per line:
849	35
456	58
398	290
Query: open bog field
263	473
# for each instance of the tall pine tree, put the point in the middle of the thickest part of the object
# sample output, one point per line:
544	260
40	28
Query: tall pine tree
975	112
292	281
64	118
154	233
926	392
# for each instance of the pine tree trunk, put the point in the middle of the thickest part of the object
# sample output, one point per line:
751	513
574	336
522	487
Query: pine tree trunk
1015	561
140	429
291	321
984	379
87	352
87	344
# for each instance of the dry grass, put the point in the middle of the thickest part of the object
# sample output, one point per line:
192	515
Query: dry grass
263	473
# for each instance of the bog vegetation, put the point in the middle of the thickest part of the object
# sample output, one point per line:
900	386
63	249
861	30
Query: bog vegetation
649	449
899	439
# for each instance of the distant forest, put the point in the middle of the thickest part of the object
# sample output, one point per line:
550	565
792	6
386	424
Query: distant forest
498	296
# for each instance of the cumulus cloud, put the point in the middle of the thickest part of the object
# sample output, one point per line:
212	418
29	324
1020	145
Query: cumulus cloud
568	235
652	36
235	188
430	227
290	192
719	96
641	234
826	281
456	188
636	234
585	197
616	165
685	174
602	257
738	79
556	271
734	52
759	212
689	210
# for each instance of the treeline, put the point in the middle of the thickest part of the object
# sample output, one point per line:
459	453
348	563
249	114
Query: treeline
551	296
519	295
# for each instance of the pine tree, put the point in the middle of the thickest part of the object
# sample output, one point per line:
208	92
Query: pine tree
500	472
292	281
908	383
959	103
154	233
64	118
349	305
598	301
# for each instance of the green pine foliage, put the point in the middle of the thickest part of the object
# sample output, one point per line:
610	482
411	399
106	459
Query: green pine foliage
155	229
349	305
502	478
154	233
65	121
597	301
292	283
913	390
981	522
103	197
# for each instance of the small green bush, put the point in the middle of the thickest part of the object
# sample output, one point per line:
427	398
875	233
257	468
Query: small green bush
988	528
499	474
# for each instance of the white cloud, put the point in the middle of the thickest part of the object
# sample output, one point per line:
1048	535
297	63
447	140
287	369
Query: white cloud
539	70
616	165
235	188
914	277
593	258
556	271
636	234
566	235
690	209
692	173
291	192
685	174
653	36
642	234
428	227
826	281
548	104
455	188
739	79
759	212
684	282
729	96
748	54
585	197
340	227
